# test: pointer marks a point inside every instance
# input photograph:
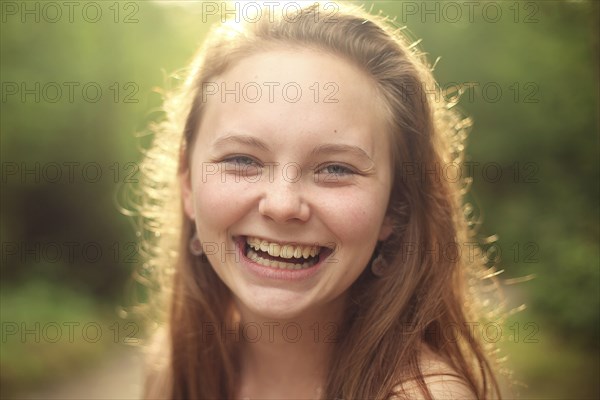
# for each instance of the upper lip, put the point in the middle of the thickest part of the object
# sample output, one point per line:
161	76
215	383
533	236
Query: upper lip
328	245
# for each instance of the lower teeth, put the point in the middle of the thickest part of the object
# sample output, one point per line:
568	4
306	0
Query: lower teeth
277	264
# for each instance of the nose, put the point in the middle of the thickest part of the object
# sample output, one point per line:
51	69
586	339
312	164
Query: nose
283	202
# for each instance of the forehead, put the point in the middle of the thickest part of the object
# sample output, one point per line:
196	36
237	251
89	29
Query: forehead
295	92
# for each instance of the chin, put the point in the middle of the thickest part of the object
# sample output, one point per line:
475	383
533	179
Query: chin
276	304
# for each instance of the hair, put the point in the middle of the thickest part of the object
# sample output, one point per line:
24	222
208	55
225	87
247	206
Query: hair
389	317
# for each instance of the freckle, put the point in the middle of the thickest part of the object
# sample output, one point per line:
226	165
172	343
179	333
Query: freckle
335	131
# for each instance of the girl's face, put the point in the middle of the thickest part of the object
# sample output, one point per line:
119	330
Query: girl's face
289	179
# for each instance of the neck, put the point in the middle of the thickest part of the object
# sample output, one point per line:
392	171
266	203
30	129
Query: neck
287	358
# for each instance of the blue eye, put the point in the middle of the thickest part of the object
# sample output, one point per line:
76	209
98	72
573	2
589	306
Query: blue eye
241	165
336	169
240	160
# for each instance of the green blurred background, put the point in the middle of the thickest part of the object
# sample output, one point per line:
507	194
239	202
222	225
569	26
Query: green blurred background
530	74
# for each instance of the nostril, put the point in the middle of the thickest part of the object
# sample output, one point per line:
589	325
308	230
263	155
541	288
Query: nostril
283	208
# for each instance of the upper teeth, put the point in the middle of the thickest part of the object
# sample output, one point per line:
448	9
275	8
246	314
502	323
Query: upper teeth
283	250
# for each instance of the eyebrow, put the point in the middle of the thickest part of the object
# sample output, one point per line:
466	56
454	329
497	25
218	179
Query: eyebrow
241	139
329	148
334	148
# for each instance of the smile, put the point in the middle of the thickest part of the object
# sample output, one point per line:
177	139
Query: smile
285	256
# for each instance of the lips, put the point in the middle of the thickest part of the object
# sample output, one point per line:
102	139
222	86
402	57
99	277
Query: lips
284	256
281	260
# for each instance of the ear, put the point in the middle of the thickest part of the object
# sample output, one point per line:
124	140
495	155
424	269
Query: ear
387	227
187	195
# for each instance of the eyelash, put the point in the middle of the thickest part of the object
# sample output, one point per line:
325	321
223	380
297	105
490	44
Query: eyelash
235	160
346	170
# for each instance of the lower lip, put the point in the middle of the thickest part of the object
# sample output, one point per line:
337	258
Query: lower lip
275	273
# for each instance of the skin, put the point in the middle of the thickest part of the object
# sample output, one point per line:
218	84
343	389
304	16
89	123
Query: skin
243	180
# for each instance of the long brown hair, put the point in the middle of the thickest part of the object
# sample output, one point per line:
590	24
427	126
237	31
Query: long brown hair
425	287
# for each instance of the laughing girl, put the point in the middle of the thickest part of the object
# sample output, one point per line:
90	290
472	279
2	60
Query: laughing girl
306	241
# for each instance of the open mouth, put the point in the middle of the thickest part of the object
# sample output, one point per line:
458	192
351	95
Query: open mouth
288	256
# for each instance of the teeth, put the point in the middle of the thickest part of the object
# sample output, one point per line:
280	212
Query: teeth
283	251
306	252
264	246
274	249
287	251
277	264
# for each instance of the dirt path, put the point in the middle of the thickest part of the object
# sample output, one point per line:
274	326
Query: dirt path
119	377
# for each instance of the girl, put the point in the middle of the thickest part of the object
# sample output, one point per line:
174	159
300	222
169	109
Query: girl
311	247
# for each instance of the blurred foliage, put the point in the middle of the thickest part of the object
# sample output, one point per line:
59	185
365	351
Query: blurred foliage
545	365
49	332
542	131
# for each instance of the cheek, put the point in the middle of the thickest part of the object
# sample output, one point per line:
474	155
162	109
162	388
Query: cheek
354	216
219	204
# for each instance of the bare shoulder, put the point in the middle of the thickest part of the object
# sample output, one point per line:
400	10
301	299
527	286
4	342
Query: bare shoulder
441	388
441	380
